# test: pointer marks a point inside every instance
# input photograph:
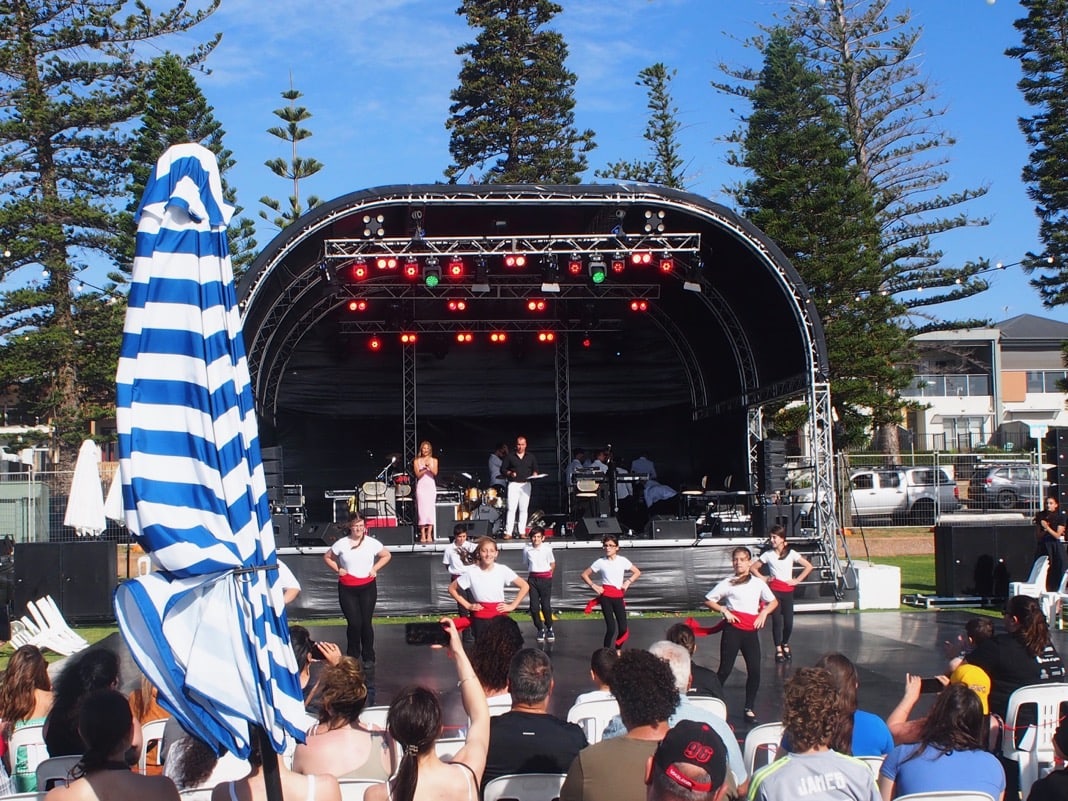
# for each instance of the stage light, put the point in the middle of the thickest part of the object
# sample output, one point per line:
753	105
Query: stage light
654	221
465	337
455	268
431	272
481	275
574	265
515	261
372	226
641	258
375	344
408	338
639	305
667	264
536	305
386	262
550	270
411	269
618	264
357	269
457	305
498	337
598	271
357	305
587	343
546	336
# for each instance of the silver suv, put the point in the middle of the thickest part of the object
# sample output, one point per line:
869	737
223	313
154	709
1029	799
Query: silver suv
1006	486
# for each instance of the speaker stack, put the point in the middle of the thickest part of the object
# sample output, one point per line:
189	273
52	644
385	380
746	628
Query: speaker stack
593	528
771	465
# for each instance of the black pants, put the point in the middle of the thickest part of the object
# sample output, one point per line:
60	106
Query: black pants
541	590
782	618
615	620
358	605
731	641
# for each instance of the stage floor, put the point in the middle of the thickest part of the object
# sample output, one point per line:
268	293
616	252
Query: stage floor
883	645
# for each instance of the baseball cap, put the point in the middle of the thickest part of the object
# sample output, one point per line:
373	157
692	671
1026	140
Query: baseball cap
695	744
976	679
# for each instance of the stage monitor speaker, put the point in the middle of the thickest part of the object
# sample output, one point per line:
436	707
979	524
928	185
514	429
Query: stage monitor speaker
444	519
674	529
312	534
593	528
474	529
80	576
283	533
981	560
393	535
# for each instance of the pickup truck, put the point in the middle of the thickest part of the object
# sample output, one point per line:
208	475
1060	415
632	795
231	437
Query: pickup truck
914	495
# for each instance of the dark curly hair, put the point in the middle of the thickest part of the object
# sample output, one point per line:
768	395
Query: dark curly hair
499	640
844	675
105	723
93	669
810	709
645	688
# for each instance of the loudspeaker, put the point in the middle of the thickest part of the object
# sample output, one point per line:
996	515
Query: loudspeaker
313	534
474	529
591	528
444	519
393	535
674	529
1059	435
771	465
982	560
80	576
283	534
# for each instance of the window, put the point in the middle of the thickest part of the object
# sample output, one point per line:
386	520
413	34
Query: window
864	481
956	386
1052	379
890	480
1035	381
978	385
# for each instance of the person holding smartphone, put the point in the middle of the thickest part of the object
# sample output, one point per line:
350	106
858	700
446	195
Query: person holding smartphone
539	559
485	581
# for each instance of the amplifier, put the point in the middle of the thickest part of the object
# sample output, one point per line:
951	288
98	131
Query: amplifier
674	529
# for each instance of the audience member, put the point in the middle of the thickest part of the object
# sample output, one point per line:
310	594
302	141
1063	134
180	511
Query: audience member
910	731
690	764
106	729
144	704
950	755
339	744
860	733
812	770
311	657
678	659
527	739
192	765
614	770
601	663
93	669
491	657
295	786
976	630
414	721
25	700
703	681
1054	787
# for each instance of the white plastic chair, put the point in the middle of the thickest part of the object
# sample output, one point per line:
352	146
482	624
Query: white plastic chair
54	770
873	762
593	716
353	789
525	787
956	795
1053	603
1035	585
151	732
717	706
446	747
55	622
30	738
196	794
374	716
1035	750
761	746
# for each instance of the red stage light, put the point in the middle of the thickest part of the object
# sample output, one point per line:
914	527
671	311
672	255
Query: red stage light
586	342
515	260
575	266
498	337
386	262
456	268
641	258
375	343
667	264
639	305
357	305
465	337
359	270
535	305
546	336
457	305
408	338
411	270
618	266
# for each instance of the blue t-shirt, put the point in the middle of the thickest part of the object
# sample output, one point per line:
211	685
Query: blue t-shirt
932	770
871	736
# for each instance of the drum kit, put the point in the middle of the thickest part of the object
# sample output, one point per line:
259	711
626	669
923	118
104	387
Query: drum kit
482	504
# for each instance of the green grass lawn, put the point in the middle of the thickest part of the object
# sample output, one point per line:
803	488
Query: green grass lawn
917	572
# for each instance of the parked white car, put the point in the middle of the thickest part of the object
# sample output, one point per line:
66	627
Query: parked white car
915	494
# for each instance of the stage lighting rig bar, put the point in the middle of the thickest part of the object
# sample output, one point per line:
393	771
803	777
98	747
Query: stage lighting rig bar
511	326
584	245
377	289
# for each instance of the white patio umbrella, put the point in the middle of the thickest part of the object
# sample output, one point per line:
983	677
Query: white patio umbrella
208	626
85	504
113	500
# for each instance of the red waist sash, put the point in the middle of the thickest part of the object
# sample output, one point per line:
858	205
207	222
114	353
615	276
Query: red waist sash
350	580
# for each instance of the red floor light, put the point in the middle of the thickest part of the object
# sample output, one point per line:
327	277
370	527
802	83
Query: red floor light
455	269
357	305
457	305
411	270
498	337
408	338
465	337
375	344
546	336
639	305
535	305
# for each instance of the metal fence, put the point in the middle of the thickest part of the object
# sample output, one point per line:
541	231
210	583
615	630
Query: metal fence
33	504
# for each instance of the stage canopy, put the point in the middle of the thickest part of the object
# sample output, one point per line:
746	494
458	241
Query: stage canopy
698	323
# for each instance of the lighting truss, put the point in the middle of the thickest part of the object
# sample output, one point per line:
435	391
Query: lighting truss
503	288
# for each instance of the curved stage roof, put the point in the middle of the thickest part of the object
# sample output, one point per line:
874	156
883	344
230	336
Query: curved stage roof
729	328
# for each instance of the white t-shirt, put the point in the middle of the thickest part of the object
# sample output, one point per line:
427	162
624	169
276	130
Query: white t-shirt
487	586
742	597
357	560
540	559
451	557
613	571
286	579
782	569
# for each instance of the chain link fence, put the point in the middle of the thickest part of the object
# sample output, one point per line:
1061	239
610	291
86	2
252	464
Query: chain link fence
33	504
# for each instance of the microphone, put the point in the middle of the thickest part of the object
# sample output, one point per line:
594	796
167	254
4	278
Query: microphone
393	460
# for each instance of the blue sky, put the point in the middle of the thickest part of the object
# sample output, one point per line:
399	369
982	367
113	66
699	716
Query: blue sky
376	75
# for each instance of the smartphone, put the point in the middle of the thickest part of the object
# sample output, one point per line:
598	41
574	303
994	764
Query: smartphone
425	634
315	651
930	686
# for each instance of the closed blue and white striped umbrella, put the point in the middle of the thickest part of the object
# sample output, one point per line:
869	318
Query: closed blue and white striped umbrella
208	628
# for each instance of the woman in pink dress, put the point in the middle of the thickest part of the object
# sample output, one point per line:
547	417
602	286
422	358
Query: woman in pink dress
425	468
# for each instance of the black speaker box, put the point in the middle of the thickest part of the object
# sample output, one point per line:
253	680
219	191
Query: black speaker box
283	533
474	529
593	528
318	534
393	535
982	559
80	576
674	529
444	519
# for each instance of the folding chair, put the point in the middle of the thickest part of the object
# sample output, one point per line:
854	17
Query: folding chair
525	787
956	795
873	762
31	740
53	771
717	706
761	746
1035	750
593	716
353	789
151	732
1035	585
1053	603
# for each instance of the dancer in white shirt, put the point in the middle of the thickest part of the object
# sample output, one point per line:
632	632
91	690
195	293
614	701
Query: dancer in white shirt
539	559
485	581
614	585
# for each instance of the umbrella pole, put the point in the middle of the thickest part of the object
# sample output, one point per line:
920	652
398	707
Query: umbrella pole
271	779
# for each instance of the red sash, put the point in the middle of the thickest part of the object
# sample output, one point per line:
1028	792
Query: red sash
547	574
488	611
775	585
612	592
350	580
745	621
